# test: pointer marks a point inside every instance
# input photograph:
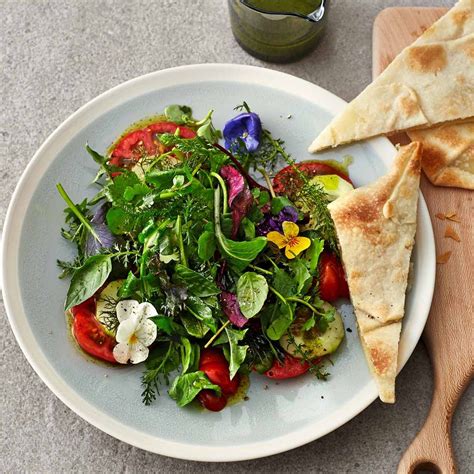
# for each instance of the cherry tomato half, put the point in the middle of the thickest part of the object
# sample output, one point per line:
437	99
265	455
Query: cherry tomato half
130	148
214	365
89	333
287	182
211	401
289	368
332	282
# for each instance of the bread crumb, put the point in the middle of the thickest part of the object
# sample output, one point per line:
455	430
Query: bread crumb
443	258
450	233
452	216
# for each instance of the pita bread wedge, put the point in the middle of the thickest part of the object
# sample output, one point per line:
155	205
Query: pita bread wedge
448	154
428	83
376	225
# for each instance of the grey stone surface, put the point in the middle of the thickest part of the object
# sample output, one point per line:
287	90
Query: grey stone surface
57	55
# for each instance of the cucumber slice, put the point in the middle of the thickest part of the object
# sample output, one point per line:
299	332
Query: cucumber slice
106	303
313	343
333	185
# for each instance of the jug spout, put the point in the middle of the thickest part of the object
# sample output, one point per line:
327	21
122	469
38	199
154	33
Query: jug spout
312	10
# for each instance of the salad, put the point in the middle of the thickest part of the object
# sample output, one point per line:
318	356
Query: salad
205	262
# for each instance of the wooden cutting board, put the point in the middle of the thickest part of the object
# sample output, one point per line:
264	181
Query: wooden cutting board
449	332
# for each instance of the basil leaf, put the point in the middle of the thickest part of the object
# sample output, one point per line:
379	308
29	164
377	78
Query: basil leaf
235	354
196	284
189	356
206	245
252	291
88	279
201	311
185	387
194	326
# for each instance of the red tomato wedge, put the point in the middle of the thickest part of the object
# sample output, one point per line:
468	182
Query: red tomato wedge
289	368
89	333
131	147
332	281
211	401
215	366
286	181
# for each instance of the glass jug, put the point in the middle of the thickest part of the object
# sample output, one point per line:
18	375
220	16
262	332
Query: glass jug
278	30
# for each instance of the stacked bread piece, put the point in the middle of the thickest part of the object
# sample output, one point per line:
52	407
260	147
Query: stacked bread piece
427	91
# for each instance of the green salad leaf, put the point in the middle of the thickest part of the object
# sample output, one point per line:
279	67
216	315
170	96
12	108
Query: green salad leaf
186	387
238	253
88	279
196	283
252	291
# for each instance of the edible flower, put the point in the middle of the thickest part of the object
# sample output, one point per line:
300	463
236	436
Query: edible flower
289	240
270	222
246	128
135	332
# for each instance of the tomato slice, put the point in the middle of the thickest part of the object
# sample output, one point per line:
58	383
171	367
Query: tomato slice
289	368
211	401
89	333
288	182
214	365
131	147
332	282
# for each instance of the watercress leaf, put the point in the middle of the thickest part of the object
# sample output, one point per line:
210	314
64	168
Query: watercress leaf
200	310
302	275
179	114
194	326
280	320
120	221
88	279
185	387
116	189
252	291
196	283
236	353
278	203
206	245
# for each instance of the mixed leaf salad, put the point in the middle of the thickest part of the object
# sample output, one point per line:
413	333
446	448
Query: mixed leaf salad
188	264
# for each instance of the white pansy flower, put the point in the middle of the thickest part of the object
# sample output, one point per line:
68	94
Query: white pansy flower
135	331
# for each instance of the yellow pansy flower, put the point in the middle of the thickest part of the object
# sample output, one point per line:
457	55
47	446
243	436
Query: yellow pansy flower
289	240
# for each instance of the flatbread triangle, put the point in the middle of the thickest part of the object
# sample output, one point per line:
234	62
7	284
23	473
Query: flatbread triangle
376	226
428	83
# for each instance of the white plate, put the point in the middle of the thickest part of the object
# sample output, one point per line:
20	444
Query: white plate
280	418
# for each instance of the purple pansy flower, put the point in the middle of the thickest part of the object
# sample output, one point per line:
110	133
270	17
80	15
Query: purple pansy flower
269	222
107	239
246	127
